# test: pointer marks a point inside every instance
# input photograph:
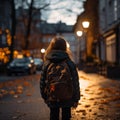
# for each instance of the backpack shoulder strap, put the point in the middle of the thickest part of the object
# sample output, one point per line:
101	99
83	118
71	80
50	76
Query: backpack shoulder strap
70	65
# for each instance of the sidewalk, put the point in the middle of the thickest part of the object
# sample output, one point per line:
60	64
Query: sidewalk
100	100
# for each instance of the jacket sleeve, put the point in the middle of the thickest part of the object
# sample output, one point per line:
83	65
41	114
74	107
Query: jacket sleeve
76	82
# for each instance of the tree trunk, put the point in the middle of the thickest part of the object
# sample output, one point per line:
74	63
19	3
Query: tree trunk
13	29
29	26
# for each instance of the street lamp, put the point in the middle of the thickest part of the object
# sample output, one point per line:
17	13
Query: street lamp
42	53
85	25
79	34
42	50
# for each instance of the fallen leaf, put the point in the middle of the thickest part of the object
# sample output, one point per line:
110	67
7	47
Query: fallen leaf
14	117
15	96
4	92
11	92
87	106
20	101
90	110
104	102
19	91
86	89
26	84
78	111
91	98
29	94
20	87
101	108
95	113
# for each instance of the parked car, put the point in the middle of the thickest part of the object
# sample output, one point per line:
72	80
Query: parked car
24	65
38	62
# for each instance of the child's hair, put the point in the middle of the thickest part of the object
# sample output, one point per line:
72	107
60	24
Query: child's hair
58	43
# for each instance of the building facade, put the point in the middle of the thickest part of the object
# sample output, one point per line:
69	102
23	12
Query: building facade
90	35
109	25
5	30
40	35
48	31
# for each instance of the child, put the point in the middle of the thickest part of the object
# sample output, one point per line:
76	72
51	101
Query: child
58	51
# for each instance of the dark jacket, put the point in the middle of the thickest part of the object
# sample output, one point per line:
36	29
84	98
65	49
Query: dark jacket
58	56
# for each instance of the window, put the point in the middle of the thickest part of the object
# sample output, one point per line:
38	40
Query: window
110	12
115	10
111	48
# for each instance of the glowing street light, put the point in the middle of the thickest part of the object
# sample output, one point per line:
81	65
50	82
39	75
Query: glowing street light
42	50
85	24
79	33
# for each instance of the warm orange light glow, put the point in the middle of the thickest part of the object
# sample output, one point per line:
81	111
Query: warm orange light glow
4	53
7	30
15	53
20	56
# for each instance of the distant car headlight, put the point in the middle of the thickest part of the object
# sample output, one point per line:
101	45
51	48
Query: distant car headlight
11	65
29	65
31	61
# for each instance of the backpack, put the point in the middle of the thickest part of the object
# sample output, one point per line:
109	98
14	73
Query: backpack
59	85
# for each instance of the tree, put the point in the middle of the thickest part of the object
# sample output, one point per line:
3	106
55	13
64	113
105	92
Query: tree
30	7
43	6
29	24
13	28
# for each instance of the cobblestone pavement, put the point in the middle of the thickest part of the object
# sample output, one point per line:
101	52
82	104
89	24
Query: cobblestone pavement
100	99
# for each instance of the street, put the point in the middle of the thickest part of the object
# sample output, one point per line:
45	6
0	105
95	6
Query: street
20	98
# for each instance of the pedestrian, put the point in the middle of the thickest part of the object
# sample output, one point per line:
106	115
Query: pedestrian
57	52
